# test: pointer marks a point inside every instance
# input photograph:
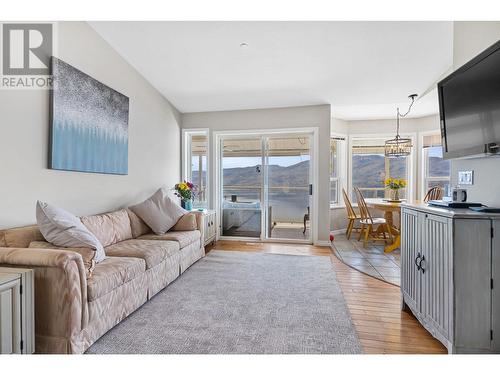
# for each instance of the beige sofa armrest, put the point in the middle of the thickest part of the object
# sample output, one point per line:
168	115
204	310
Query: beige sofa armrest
61	310
200	221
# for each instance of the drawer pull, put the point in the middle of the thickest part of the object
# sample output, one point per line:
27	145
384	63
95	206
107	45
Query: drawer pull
421	266
418	261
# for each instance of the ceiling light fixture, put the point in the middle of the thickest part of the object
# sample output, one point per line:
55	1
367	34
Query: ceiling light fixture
243	45
398	146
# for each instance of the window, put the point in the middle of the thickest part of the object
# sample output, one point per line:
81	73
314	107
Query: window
195	164
436	169
370	167
336	153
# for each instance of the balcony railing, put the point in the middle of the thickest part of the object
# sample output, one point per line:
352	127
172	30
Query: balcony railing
373	192
242	187
377	192
289	203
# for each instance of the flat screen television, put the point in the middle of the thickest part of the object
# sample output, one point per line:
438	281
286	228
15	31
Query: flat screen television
469	107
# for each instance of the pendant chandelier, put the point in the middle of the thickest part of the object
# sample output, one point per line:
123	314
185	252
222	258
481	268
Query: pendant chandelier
399	146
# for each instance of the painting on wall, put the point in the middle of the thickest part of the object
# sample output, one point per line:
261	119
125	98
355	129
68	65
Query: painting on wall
89	123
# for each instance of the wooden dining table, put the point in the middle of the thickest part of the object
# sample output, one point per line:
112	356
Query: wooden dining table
389	208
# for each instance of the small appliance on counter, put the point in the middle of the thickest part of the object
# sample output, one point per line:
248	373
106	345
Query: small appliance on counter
452	204
459	195
458	200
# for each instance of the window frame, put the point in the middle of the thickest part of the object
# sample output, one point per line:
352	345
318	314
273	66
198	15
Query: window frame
411	163
424	162
186	159
342	168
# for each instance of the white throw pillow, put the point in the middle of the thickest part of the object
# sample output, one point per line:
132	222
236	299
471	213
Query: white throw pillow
160	212
62	228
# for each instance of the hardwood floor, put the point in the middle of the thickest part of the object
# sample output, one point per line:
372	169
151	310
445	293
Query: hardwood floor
374	305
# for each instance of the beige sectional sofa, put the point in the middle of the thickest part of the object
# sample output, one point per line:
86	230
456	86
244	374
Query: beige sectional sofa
74	308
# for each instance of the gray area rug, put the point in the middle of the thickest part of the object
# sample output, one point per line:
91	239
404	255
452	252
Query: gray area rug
241	303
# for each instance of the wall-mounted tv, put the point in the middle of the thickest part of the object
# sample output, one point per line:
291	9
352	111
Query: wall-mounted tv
469	107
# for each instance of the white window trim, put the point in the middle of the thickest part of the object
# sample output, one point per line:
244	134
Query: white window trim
342	173
412	166
186	152
219	135
423	162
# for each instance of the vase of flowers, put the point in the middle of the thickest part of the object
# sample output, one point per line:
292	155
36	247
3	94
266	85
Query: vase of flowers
394	184
186	191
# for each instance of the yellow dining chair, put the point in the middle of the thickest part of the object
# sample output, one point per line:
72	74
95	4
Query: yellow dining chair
373	228
352	216
434	194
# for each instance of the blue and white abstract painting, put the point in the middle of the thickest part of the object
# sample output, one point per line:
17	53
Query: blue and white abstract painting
89	125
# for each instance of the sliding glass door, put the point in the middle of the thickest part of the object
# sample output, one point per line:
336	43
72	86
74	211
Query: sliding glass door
288	180
242	187
265	187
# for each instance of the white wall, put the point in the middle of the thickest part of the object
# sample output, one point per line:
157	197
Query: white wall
274	118
470	39
339	126
411	126
154	139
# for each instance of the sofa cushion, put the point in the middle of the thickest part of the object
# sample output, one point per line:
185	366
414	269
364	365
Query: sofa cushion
138	226
20	237
186	222
87	253
153	252
111	273
159	212
184	238
62	228
109	228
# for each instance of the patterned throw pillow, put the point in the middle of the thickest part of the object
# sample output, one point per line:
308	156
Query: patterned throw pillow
61	228
159	212
186	222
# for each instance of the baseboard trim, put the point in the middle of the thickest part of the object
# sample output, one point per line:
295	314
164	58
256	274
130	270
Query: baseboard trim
322	243
328	243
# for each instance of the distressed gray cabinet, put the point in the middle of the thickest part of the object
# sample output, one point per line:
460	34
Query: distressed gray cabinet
10	311
450	260
17	320
209	226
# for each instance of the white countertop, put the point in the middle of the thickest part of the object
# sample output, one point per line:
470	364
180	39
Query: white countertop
451	212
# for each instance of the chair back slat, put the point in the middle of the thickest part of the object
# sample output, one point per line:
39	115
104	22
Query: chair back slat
363	208
351	214
435	193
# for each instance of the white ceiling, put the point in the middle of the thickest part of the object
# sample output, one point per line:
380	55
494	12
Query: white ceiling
363	69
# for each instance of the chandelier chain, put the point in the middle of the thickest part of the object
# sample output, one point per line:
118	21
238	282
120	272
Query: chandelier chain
399	115
398	146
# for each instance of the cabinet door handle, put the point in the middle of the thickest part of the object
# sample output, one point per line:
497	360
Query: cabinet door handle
418	260
421	266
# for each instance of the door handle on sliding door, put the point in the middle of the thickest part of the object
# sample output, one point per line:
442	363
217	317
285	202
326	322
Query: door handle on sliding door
310	189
